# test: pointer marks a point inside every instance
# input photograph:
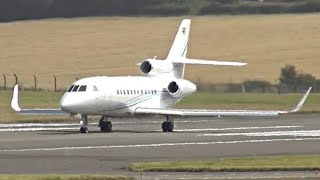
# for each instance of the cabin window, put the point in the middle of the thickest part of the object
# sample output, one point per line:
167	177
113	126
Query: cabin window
131	92
95	88
128	92
117	91
134	91
70	88
120	92
141	91
124	92
75	88
82	88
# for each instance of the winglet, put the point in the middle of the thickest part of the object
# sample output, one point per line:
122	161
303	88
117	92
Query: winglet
15	99
303	99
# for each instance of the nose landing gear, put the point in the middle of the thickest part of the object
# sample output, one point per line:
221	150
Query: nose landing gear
84	128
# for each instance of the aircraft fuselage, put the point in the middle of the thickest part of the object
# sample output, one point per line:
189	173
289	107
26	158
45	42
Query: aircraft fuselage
118	96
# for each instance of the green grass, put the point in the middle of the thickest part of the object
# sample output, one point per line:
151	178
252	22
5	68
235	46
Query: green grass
206	100
62	177
249	101
275	163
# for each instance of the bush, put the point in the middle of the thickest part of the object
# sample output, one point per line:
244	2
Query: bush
258	86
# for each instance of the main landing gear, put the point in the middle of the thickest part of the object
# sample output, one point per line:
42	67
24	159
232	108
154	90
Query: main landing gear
105	125
168	125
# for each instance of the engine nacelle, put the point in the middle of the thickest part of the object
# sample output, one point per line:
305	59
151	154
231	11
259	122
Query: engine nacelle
181	88
153	67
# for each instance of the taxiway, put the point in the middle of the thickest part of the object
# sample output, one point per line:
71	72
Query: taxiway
59	148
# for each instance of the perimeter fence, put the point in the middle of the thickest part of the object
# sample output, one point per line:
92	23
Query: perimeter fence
56	83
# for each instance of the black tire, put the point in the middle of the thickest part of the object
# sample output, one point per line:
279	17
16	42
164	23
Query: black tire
164	127
105	126
109	126
84	130
170	127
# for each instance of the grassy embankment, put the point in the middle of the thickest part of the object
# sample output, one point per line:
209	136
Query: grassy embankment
82	47
273	163
207	100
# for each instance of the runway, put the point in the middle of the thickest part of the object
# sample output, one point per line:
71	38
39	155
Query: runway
59	147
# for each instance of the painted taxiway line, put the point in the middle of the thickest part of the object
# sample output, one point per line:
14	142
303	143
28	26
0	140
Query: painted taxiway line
38	129
77	126
156	145
237	128
37	125
302	133
16	125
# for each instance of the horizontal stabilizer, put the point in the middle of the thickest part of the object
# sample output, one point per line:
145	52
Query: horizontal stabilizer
207	62
36	111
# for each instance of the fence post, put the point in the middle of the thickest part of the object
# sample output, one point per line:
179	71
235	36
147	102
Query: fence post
16	78
35	82
243	88
55	83
4	81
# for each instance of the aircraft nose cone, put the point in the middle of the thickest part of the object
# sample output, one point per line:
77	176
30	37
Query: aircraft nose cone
66	104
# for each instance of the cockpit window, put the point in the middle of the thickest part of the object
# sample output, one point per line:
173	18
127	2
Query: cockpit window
82	88
70	88
75	89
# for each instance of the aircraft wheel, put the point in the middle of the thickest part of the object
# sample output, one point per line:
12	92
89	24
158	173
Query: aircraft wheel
170	127
109	126
84	129
105	126
164	127
167	126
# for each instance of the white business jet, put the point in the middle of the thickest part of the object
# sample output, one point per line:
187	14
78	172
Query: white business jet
161	87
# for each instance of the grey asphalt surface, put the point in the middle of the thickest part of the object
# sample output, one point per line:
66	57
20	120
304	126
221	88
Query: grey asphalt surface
61	149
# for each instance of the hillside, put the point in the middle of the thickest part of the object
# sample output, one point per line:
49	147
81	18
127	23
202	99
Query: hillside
80	47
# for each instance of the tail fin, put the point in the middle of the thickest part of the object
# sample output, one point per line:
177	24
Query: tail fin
178	52
179	47
180	43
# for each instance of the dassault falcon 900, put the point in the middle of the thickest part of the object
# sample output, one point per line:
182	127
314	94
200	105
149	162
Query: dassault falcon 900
155	93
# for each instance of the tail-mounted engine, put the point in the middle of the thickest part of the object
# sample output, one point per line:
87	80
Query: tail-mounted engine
181	88
153	67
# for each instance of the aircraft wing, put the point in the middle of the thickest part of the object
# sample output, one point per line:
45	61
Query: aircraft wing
37	111
218	112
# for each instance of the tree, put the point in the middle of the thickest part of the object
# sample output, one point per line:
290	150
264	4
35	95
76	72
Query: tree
288	75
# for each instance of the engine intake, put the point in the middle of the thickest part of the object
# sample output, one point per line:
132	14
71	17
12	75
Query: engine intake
173	87
154	67
146	67
180	88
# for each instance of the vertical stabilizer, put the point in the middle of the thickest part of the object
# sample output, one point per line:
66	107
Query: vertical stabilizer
179	47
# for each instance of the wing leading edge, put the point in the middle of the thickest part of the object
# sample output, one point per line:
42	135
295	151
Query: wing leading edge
208	113
36	111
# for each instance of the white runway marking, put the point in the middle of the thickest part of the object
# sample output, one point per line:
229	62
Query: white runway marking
237	128
39	129
302	133
37	125
25	127
156	145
